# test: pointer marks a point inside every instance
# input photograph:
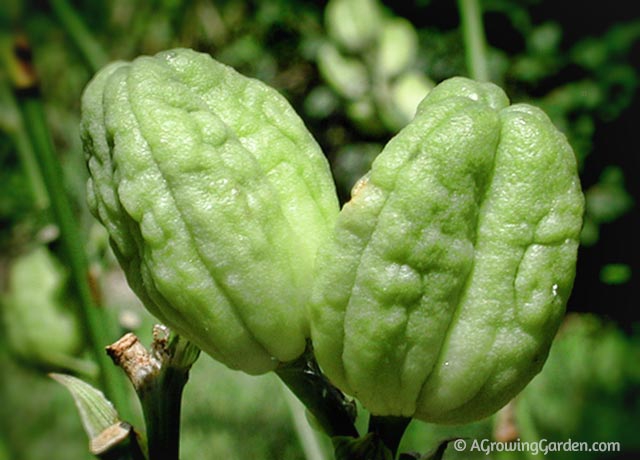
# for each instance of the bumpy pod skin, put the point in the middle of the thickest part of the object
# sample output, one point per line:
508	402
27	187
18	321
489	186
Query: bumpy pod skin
448	272
215	197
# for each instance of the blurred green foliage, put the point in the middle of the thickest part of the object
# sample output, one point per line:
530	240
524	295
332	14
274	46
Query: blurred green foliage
236	416
35	417
606	201
615	273
354	70
226	414
41	325
589	389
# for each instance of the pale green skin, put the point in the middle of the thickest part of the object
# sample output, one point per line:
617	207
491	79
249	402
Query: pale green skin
216	198
449	270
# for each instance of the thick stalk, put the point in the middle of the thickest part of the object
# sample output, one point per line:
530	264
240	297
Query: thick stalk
161	405
158	376
327	404
389	430
474	39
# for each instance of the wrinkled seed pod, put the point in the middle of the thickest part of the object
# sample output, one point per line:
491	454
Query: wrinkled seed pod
215	197
448	271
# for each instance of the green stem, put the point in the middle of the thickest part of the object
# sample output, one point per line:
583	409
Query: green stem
324	401
4	448
389	430
23	148
161	405
474	39
91	50
29	163
95	320
162	399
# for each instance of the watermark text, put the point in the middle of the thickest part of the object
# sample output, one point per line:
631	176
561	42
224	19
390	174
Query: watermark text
540	447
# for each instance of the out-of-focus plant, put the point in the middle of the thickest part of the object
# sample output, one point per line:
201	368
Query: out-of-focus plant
39	316
368	63
589	390
607	200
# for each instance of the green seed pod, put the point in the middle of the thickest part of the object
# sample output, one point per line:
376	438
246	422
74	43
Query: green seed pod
215	197
448	272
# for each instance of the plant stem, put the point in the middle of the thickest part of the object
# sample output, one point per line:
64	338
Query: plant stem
23	148
161	405
159	377
389	429
474	39
96	324
327	404
91	50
